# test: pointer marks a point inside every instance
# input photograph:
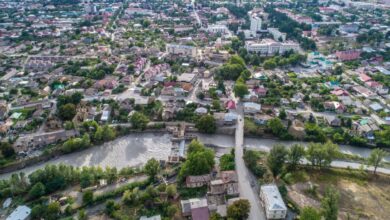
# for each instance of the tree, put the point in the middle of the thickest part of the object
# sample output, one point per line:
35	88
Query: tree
36	191
108	133
111	207
200	160
87	197
321	154
240	89
53	211
171	211
6	149
38	211
215	216
151	168
276	126
206	124
239	210
330	204
171	191
309	213
82	215
227	162
276	159
376	158
295	154
282	114
67	112
139	120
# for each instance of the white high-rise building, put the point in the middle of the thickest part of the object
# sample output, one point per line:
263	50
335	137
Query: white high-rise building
255	24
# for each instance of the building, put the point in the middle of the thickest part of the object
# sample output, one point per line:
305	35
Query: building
198	181
277	35
251	108
20	213
256	23
270	47
348	55
272	202
156	217
217	28
196	208
184	50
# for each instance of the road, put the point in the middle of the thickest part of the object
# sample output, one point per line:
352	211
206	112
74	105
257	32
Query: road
244	176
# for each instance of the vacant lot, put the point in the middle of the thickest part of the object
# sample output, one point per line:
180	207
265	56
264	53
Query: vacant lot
362	195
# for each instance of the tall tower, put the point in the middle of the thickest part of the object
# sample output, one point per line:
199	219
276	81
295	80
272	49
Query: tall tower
255	24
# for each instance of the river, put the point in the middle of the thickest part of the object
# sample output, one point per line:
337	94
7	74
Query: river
136	149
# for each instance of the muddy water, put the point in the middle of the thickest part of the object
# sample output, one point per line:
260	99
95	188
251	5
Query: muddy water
136	149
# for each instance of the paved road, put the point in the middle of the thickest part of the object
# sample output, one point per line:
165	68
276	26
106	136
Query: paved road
244	176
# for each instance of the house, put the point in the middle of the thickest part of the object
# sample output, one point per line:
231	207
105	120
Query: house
225	118
251	108
201	111
156	217
334	106
20	213
43	139
198	181
348	55
195	208
332	120
260	91
365	127
230	181
230	105
272	202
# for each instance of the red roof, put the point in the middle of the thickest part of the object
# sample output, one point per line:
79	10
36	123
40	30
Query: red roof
364	77
230	104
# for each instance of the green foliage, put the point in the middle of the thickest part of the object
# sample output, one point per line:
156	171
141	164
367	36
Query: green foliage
376	158
321	154
276	126
73	144
206	124
240	89
67	112
88	197
382	137
314	133
139	120
277	158
330	204
152	168
309	213
36	191
6	150
251	161
227	162
200	160
295	154
239	210
171	191
111	207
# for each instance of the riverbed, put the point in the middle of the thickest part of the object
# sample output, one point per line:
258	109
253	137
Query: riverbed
136	149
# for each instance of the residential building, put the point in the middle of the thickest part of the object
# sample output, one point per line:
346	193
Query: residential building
195	208
348	55
251	108
184	50
269	47
277	35
256	23
272	202
198	181
20	213
156	217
